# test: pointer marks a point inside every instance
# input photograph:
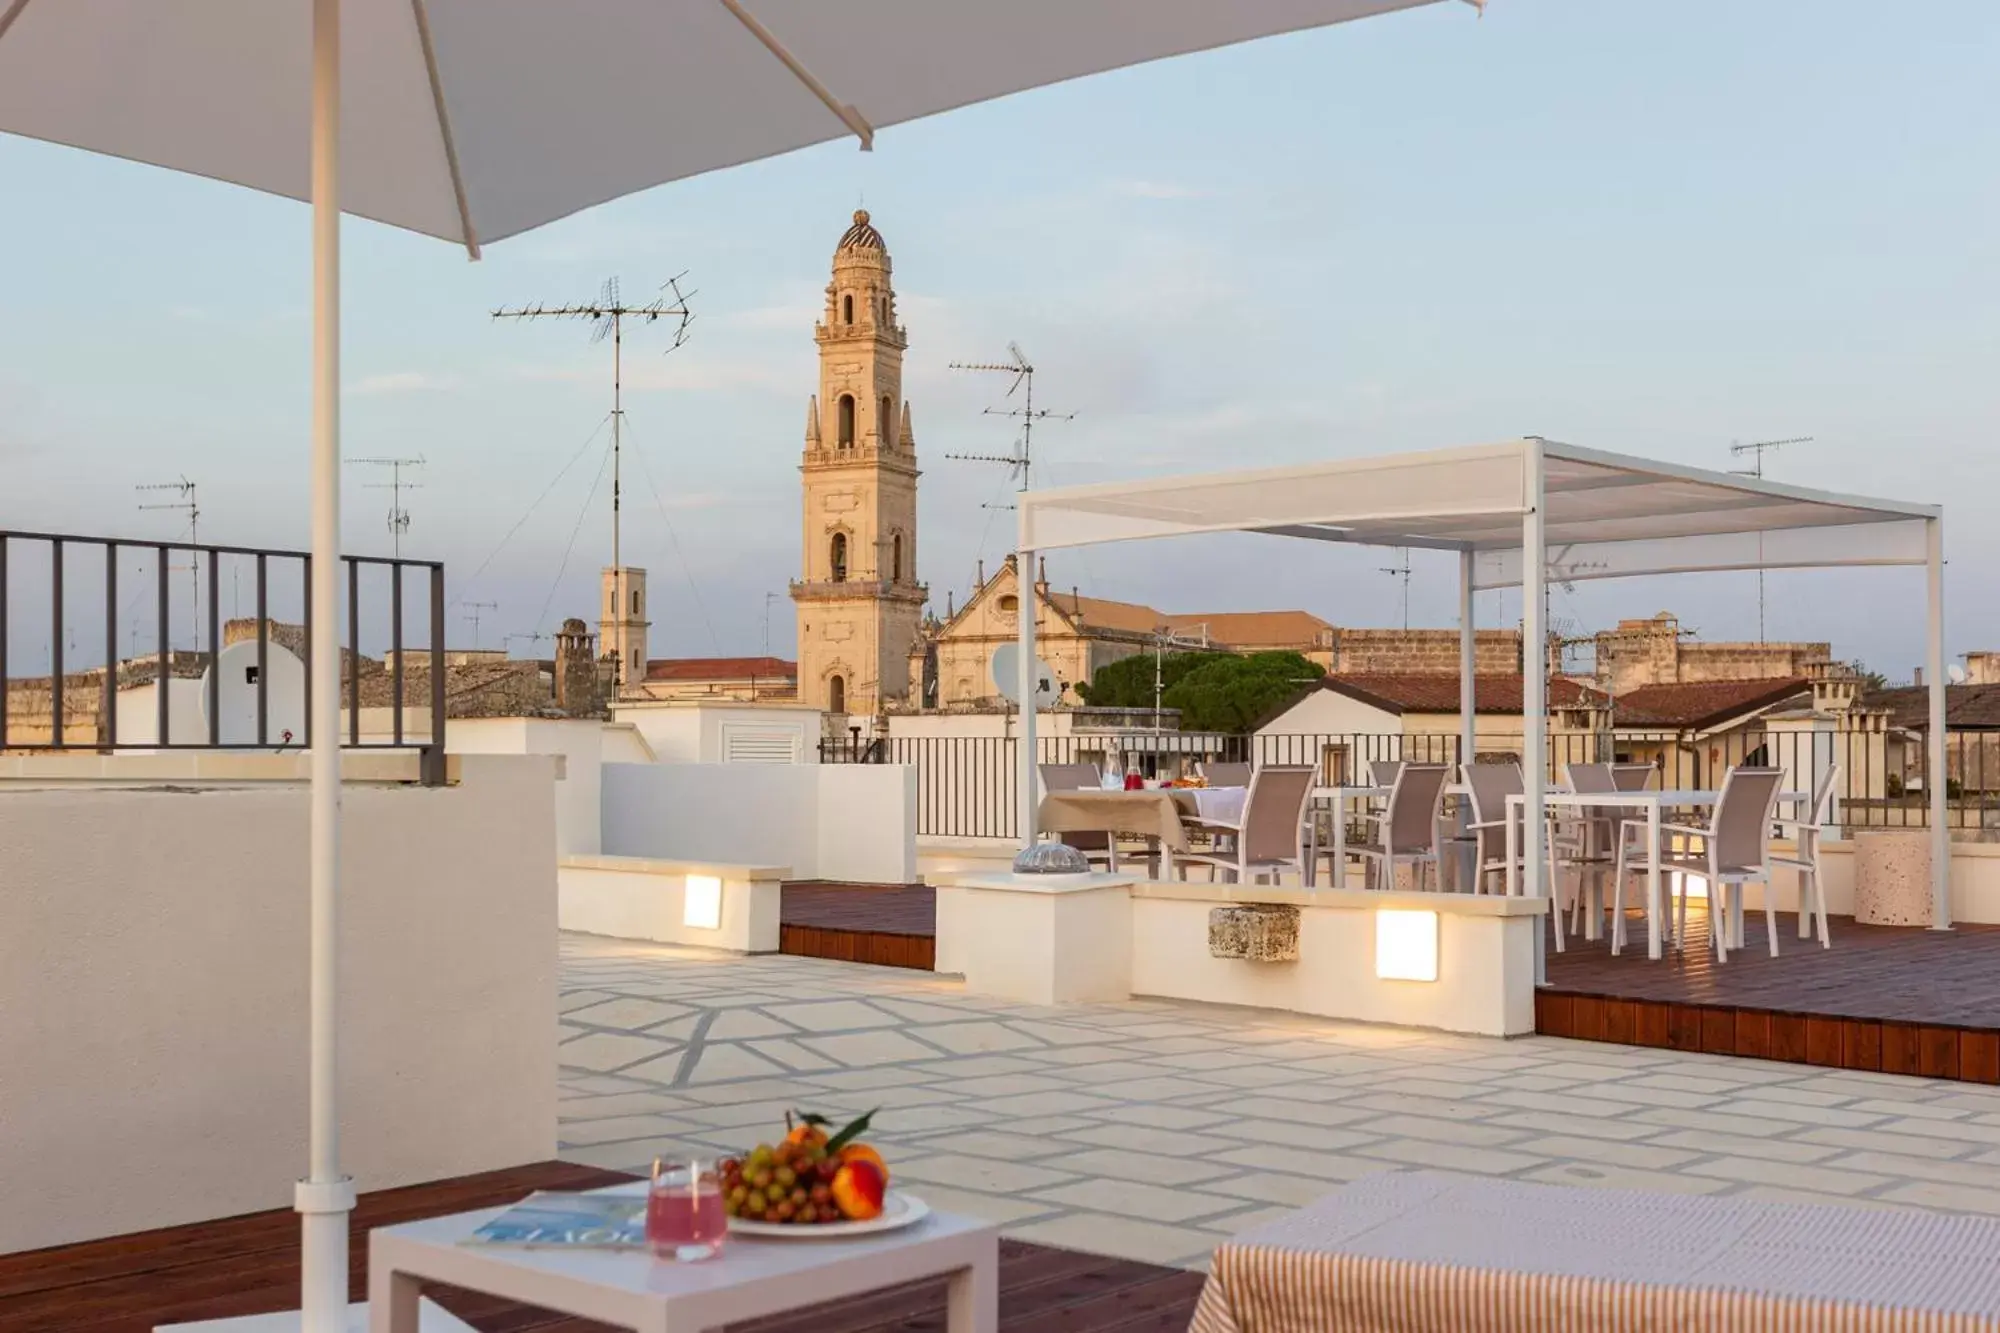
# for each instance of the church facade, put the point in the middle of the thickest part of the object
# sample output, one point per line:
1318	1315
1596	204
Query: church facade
858	596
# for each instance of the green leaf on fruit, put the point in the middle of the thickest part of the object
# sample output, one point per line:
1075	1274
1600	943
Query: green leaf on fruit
816	1121
848	1135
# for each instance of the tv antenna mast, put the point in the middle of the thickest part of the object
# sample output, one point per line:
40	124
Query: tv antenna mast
608	314
1164	638
399	517
1756	449
188	505
1402	570
1019	462
472	610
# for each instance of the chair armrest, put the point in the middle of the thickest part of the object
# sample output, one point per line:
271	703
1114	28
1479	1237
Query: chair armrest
1687	830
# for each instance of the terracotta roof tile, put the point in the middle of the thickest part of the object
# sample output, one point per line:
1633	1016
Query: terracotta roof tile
1702	703
1414	692
721	668
1966	707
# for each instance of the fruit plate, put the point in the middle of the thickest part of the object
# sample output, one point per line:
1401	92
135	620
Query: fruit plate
898	1211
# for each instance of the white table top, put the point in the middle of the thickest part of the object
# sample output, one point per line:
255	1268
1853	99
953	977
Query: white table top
736	1280
1641	799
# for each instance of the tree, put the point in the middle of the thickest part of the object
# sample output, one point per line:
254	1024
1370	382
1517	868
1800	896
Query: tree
1871	681
1212	691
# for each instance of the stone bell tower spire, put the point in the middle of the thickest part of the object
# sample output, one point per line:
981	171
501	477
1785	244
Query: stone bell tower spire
858	596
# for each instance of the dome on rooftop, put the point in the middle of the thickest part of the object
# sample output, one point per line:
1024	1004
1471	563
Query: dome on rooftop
862	235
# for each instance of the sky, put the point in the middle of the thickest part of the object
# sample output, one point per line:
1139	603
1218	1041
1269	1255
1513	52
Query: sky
1655	229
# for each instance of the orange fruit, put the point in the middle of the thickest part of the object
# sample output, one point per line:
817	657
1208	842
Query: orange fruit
862	1152
806	1134
858	1190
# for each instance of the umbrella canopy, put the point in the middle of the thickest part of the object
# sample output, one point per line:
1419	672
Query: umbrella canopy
474	120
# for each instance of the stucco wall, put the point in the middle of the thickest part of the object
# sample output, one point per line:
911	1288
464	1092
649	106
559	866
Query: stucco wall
581	744
853	822
153	948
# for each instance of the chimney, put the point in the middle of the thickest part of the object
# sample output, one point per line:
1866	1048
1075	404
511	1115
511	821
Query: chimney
1918	678
577	691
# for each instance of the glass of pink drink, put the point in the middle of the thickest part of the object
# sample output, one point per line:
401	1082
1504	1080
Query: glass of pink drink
685	1220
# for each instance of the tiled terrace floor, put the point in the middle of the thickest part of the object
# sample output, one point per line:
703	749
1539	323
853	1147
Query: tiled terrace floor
1150	1130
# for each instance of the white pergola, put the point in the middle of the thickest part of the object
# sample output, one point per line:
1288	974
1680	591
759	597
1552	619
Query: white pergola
1593	515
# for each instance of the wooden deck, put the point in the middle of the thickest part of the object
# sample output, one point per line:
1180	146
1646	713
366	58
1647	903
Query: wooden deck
890	925
1893	999
249	1265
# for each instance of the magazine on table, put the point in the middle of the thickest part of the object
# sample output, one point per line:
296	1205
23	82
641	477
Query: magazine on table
550	1219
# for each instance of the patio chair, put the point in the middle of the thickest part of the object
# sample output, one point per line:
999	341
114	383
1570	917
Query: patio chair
1081	777
1271	836
1805	863
1580	840
1226	774
1487	787
1632	777
1407	827
1731	851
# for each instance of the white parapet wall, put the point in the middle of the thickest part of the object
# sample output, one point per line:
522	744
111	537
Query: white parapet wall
153	951
715	906
849	822
1455	962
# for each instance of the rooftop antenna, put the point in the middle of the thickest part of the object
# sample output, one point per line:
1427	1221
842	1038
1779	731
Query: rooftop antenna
608	314
532	637
1756	449
1402	570
1019	462
399	517
472	610
769	598
1165	637
188	505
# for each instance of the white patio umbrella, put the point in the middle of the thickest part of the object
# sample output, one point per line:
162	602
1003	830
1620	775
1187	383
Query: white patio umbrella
474	120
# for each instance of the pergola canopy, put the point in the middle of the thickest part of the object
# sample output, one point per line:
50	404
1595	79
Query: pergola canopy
1603	515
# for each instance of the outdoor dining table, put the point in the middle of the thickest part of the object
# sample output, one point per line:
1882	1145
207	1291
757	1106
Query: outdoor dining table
1431	1252
1651	803
1153	813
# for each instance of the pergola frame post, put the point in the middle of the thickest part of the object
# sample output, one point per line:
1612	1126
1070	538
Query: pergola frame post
1025	597
1935	736
1468	680
1534	692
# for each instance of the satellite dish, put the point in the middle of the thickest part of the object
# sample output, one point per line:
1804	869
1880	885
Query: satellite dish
1007	676
1955	674
236	695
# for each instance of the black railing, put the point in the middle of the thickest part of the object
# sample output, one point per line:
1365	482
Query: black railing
28	723
966	785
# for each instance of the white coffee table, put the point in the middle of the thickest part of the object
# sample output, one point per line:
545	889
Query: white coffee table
749	1280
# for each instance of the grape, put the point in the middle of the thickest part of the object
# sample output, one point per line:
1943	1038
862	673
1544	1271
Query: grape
755	1201
822	1194
799	1197
786	1177
761	1178
783	1212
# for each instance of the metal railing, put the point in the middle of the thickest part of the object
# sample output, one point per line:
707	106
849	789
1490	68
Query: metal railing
966	785
71	694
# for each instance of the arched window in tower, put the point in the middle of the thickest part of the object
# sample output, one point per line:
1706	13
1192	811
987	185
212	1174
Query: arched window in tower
885	424
846	435
847	309
837	552
836	694
635	601
896	558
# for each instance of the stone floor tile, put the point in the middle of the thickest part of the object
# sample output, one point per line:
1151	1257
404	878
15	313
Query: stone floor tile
763	1116
833	1015
1791	1113
740	1024
1591	1127
1007	1085
604	1052
1708	1087
1265	1157
1936	1194
1626	1094
1598	1176
1130	1198
1160	1117
1066	1102
918	1119
726	1061
1253	1077
1564	1103
996	1143
979	1066
871	1048
1954	1130
623	1128
1235	1224
1140	1138
1801	1094
868	1080
799	1055
982	1174
1917	1110
1120	1237
1256	1106
1607	1152
967	1038
1973	1174
1149	1168
1002	1209
1061	1034
1450	1156
604	1106
1160	1088
1791	1175
1437	1108
1742	1145
787	1089
1290	1134
1434	1130
1084	1055
1674	1117
1886	1141
1048	1124
626	1014
581	999
1289	1191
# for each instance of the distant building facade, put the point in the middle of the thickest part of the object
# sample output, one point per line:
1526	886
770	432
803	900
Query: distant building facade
1657	651
858	595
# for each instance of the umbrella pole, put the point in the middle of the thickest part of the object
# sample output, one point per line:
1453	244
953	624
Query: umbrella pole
326	1197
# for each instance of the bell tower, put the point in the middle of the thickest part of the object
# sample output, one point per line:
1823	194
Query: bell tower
858	597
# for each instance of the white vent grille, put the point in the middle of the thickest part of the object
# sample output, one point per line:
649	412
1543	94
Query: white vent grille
762	745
